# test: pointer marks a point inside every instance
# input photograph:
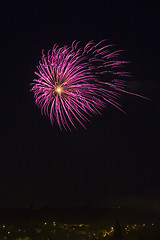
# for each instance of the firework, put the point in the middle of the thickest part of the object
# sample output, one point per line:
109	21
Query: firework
74	83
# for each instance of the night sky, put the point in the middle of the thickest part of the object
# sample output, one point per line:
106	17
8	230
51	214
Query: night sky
116	158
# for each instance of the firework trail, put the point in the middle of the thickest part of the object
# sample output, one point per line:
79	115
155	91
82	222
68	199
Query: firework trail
74	83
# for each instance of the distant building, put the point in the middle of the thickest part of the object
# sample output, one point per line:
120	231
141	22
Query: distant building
117	235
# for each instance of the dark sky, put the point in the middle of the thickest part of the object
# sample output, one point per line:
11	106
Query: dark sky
117	156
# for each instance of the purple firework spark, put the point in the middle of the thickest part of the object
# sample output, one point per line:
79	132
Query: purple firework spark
72	83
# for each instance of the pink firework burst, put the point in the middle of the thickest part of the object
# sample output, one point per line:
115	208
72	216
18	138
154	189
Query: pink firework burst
74	83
